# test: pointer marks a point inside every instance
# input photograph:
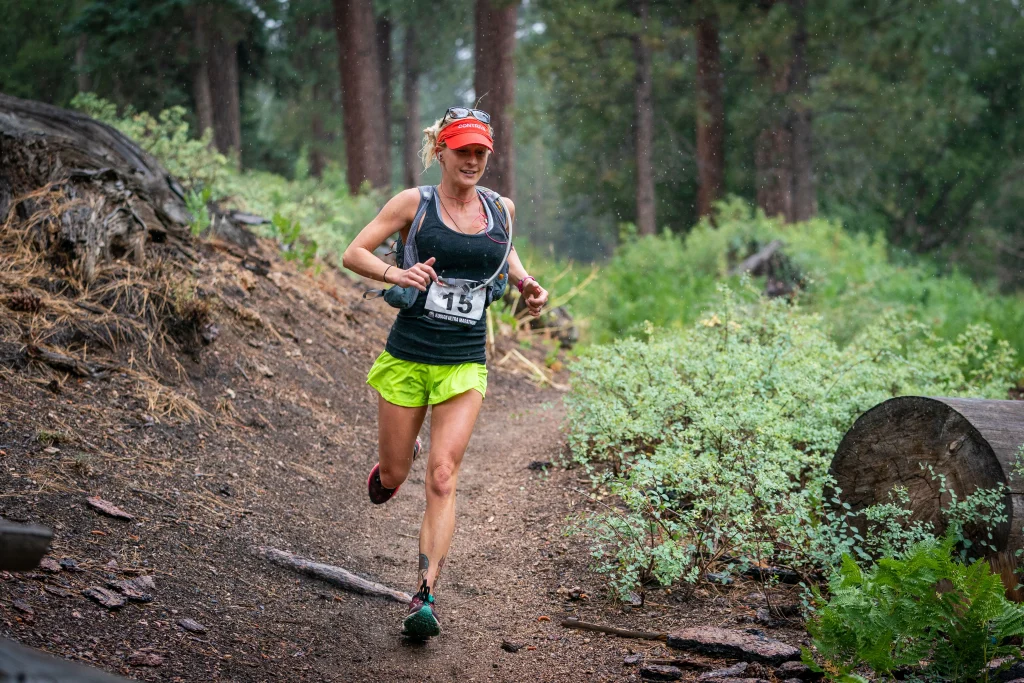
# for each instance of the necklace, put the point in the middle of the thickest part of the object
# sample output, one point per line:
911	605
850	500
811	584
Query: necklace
457	226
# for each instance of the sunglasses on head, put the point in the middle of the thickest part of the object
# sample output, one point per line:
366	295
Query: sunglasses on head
455	113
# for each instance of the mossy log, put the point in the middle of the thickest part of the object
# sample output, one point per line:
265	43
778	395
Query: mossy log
972	443
116	199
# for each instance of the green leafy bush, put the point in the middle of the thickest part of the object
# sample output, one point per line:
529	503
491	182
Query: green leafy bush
669	280
714	442
926	614
193	161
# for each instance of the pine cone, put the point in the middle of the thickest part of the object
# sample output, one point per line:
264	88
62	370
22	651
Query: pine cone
24	301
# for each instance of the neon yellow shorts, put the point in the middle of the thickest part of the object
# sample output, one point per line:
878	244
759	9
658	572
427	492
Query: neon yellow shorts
411	385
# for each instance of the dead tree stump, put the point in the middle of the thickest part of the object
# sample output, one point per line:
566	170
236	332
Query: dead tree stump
972	442
117	198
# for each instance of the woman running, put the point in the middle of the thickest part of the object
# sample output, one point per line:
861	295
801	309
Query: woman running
435	353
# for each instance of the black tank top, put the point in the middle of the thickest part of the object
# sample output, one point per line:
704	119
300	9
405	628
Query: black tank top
420	339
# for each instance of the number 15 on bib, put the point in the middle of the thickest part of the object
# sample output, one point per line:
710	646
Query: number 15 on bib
455	302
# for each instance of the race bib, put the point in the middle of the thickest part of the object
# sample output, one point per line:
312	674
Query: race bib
454	302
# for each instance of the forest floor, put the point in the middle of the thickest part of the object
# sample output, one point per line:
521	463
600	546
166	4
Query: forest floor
274	451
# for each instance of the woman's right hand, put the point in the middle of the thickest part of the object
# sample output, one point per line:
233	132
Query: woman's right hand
419	276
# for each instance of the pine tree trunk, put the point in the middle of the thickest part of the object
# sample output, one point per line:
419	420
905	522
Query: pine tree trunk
317	157
644	124
494	82
710	115
805	204
384	54
366	141
201	70
412	135
222	69
785	178
81	64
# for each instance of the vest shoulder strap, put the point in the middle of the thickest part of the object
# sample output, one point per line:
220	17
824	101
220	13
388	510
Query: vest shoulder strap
410	254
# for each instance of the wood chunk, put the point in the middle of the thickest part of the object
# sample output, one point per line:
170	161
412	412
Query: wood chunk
59	592
797	670
22	606
145	659
730	672
191	625
108	508
631	660
105	597
660	672
725	642
131	589
48	564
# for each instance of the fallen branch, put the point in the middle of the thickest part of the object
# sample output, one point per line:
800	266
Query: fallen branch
336	576
753	264
620	632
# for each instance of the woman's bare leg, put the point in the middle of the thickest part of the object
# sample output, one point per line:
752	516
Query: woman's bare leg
397	428
451	425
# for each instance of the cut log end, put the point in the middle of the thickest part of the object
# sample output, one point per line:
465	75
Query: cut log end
917	443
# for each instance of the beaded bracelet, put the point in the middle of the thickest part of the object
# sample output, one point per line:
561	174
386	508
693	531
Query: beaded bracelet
523	282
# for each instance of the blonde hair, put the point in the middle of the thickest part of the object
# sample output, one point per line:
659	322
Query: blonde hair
428	154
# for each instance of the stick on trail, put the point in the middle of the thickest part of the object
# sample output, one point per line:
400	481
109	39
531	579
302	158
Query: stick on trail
336	576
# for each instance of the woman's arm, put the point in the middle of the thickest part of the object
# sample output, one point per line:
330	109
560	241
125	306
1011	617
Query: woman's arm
534	295
396	215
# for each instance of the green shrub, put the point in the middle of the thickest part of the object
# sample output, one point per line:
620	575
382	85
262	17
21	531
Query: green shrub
670	280
714	442
193	161
897	616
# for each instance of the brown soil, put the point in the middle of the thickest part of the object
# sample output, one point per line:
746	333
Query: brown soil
279	457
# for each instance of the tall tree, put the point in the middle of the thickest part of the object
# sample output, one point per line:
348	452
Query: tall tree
710	112
494	82
643	124
783	157
366	141
411	96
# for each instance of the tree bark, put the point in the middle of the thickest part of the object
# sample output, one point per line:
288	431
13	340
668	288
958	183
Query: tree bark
972	442
643	126
222	69
81	64
805	204
412	135
201	70
783	158
366	141
494	82
384	54
710	115
317	157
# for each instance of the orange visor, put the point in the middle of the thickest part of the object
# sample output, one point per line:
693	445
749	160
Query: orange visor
462	132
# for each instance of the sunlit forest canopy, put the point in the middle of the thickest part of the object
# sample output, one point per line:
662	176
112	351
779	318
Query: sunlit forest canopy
895	117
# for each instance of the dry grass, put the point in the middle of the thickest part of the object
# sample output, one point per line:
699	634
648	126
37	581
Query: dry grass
135	319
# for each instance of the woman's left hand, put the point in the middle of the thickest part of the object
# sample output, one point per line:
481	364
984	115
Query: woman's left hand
535	297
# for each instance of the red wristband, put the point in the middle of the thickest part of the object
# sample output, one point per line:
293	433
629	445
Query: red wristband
522	282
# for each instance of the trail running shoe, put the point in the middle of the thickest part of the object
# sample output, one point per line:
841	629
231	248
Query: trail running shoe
379	494
421	622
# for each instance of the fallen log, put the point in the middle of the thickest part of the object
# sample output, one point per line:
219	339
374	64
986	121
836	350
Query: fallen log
22	546
972	443
21	663
336	576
